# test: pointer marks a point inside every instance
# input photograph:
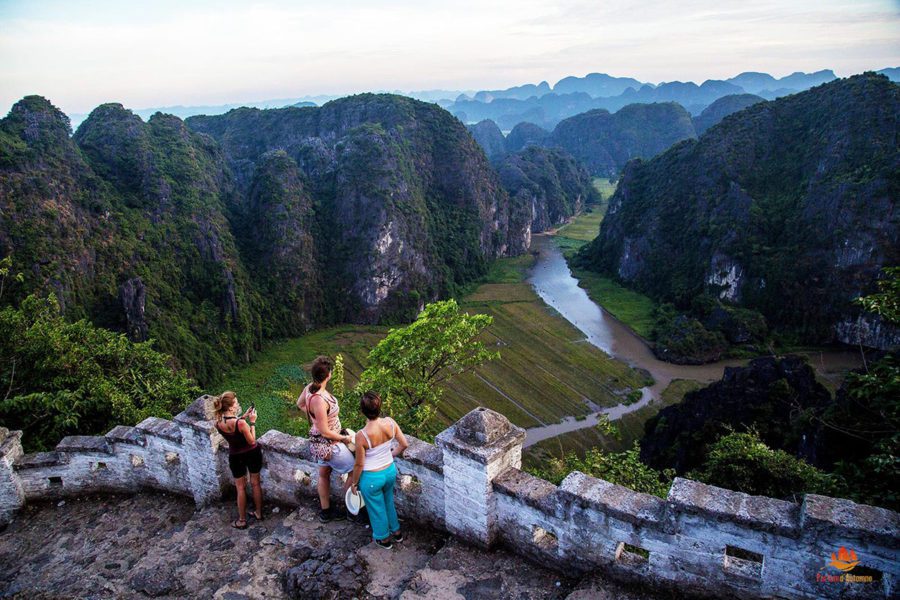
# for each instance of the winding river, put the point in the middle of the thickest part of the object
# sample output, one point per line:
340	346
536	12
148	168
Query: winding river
554	283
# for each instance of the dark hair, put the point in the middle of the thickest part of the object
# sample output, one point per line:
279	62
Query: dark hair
370	405
321	369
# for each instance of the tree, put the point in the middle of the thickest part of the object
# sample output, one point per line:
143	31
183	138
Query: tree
886	302
409	366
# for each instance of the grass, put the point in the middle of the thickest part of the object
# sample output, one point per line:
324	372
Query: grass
605	187
585	226
632	308
630	426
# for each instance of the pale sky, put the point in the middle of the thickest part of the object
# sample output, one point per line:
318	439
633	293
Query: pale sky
81	53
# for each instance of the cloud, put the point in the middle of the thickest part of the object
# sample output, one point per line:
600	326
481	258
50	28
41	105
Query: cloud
82	53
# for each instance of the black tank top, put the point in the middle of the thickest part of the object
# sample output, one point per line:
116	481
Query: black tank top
237	443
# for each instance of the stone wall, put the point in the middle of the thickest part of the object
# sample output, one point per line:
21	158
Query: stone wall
700	539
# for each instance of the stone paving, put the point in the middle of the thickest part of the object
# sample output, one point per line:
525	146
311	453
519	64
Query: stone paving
157	545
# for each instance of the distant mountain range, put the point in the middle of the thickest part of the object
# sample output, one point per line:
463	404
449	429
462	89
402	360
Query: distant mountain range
604	142
571	95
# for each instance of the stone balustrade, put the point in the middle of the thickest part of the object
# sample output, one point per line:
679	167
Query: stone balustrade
700	539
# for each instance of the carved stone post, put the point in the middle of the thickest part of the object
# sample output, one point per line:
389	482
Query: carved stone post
477	449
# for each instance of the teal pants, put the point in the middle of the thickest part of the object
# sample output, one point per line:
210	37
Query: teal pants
377	489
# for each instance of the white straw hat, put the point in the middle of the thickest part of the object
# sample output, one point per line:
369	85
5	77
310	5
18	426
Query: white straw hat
354	501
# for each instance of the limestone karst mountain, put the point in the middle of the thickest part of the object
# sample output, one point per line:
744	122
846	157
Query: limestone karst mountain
721	108
213	235
605	141
787	207
547	182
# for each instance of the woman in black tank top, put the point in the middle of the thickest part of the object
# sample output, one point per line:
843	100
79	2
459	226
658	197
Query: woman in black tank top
244	454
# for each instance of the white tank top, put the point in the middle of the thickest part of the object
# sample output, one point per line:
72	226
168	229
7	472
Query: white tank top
380	456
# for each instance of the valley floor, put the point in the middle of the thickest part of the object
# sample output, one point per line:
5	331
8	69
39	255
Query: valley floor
156	545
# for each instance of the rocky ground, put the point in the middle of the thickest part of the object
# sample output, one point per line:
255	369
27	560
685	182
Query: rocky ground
154	545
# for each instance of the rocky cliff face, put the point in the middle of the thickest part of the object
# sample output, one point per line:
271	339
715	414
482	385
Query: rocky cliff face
788	207
254	224
764	395
549	183
604	142
408	208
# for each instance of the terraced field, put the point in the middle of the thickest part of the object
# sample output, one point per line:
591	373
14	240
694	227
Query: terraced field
546	370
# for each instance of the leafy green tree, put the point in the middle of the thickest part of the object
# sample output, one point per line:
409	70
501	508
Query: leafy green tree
5	268
409	366
622	468
59	378
742	462
886	302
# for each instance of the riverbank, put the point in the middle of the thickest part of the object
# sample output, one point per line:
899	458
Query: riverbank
635	311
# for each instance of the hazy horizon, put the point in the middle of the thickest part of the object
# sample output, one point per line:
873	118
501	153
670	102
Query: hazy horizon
80	54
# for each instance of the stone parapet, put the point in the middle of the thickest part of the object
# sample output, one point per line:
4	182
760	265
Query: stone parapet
700	539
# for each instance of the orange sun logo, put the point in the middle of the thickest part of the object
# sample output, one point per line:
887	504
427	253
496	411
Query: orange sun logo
844	561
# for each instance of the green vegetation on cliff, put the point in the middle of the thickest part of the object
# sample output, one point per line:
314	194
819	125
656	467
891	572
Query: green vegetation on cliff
548	183
62	378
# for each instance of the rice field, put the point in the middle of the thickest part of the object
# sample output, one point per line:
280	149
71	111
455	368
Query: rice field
605	187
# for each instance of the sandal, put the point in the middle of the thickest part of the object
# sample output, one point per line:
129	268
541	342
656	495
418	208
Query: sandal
236	525
262	515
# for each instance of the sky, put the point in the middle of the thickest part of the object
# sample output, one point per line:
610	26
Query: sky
81	53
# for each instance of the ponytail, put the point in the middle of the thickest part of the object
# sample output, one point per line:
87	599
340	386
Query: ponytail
223	402
321	369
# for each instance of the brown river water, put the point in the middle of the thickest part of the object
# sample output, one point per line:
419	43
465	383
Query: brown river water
553	281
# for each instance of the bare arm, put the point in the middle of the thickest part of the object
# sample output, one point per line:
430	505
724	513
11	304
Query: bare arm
302	399
319	411
353	479
402	443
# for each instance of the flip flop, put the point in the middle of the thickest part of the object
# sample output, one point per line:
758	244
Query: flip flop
259	518
236	526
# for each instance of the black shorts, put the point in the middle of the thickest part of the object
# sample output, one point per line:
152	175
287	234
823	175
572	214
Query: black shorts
251	460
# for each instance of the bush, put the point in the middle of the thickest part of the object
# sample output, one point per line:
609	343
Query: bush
59	378
622	468
742	462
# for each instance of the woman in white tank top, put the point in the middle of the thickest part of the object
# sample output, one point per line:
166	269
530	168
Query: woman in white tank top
374	473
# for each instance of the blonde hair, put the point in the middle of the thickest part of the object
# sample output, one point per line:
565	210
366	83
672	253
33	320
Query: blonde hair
223	402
